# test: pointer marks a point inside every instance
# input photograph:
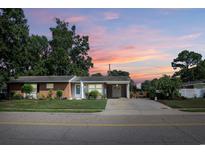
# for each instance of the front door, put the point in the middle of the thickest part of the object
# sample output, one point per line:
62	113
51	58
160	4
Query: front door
77	91
116	91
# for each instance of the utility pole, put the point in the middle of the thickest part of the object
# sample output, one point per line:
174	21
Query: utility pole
108	73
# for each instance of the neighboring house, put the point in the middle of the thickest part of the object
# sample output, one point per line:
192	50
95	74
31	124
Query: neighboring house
73	87
194	89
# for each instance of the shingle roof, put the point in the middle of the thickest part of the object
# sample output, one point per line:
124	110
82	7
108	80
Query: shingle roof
101	78
34	79
194	82
37	79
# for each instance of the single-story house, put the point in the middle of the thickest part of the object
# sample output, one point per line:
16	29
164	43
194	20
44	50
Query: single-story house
193	89
73	87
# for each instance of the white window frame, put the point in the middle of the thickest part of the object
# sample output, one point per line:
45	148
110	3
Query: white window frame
95	87
49	85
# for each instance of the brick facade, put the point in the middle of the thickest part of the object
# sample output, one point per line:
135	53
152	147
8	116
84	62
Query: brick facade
42	91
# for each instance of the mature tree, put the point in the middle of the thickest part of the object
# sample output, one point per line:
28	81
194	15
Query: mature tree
118	73
97	74
168	87
145	85
150	87
80	59
69	51
133	86
14	33
21	54
38	52
185	61
59	61
164	87
199	71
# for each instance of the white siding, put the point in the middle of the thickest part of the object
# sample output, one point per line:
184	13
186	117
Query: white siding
192	93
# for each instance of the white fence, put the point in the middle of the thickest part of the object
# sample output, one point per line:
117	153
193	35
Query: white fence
192	93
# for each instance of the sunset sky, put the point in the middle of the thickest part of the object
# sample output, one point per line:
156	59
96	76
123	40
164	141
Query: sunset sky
140	41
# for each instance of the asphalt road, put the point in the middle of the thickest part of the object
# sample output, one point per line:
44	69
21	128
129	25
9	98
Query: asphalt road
62	128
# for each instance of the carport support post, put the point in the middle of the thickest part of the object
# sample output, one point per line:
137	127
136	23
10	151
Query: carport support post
82	89
128	90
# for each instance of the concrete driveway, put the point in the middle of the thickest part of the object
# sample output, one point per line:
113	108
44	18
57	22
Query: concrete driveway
138	107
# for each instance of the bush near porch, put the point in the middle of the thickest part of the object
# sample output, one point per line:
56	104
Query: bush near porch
54	105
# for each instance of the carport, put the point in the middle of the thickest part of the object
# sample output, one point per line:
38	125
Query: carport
116	90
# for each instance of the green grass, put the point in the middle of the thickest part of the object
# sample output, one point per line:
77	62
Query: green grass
53	105
189	105
194	110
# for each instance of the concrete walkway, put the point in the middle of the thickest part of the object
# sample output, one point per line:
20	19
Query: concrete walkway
138	107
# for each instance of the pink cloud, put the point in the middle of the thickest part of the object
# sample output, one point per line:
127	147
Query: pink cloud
127	45
99	69
142	37
101	60
146	73
152	72
191	36
42	15
136	44
111	15
126	56
76	19
46	17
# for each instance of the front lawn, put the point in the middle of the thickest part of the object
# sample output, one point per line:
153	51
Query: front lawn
53	105
192	105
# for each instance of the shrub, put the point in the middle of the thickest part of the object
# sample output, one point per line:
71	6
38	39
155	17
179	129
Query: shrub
132	95
27	88
11	94
59	93
41	96
152	93
16	96
87	95
165	87
103	96
94	94
50	94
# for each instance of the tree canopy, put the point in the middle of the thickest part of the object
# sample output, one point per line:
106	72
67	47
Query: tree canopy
118	73
81	61
14	35
97	74
164	87
23	54
190	66
186	59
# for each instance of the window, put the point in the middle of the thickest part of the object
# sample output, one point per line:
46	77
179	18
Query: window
49	85
98	87
34	87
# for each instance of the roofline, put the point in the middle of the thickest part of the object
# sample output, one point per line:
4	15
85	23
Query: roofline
45	81
192	84
109	82
72	78
38	81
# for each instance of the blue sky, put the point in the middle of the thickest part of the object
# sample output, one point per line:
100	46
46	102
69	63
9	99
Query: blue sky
141	41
